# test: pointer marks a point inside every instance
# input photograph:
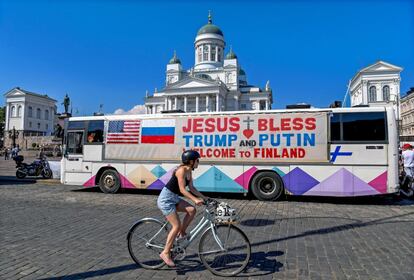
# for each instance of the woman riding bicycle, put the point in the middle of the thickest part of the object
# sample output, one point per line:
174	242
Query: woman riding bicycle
169	201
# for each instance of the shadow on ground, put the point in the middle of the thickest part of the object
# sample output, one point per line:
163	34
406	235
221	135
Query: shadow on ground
391	199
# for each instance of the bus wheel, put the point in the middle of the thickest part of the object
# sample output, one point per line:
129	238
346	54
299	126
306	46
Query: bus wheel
109	181
267	186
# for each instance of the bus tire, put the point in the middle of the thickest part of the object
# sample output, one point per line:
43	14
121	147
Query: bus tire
109	182
267	185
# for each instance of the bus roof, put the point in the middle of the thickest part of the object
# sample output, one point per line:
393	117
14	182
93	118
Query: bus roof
314	110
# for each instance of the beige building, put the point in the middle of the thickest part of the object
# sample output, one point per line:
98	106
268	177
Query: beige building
407	117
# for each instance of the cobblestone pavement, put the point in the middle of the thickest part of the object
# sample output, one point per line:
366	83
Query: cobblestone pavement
56	231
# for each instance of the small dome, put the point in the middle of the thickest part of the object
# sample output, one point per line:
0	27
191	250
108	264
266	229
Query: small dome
241	72
210	28
174	59
231	54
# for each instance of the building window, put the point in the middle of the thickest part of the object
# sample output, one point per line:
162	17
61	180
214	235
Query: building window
199	52
30	124
38	125
30	111
38	113
47	127
205	53
219	55
213	53
19	111
46	114
372	94
13	111
243	106
386	93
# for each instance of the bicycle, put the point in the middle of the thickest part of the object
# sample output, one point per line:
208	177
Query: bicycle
224	249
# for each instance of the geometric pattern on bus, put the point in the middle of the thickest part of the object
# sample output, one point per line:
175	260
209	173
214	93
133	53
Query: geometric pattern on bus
380	183
298	182
228	179
342	183
214	179
158	171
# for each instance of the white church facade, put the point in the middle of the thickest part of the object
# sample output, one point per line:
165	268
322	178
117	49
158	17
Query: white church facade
377	85
215	83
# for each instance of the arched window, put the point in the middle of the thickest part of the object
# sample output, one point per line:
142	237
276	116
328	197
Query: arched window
386	93
19	111
38	113
30	111
205	52
372	94
13	111
46	114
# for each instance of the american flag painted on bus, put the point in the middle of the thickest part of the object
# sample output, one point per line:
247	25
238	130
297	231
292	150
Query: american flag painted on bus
123	132
158	131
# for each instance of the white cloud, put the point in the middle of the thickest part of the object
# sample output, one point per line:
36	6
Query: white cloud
137	109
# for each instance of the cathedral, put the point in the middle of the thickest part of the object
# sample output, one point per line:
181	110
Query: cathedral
215	83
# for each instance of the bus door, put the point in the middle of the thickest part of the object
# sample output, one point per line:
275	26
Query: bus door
73	157
360	145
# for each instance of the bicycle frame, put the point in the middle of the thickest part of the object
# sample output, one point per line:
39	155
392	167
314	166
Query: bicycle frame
205	224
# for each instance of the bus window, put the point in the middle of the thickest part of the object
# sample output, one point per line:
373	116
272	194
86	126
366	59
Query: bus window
72	125
74	142
364	127
95	132
335	127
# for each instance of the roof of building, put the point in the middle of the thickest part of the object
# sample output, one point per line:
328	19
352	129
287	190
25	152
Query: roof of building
30	93
231	54
210	28
174	59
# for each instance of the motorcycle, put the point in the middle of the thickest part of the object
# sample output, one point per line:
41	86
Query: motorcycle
38	167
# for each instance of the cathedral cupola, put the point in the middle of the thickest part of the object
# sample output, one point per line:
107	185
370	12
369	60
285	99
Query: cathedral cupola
231	54
209	46
174	59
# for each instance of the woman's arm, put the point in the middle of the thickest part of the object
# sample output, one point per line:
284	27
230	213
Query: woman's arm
194	191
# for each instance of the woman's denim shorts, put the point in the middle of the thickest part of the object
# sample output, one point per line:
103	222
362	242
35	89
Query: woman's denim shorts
167	201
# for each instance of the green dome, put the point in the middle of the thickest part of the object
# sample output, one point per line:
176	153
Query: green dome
241	72
231	54
174	59
210	28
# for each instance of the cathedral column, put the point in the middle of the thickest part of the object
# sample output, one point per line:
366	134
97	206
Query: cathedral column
267	105
197	103
185	104
218	102
207	103
6	127
175	103
166	104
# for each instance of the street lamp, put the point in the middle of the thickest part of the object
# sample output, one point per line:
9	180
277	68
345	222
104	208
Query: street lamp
13	134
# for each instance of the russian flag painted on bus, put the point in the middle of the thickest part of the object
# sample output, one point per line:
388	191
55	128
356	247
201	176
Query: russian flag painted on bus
158	131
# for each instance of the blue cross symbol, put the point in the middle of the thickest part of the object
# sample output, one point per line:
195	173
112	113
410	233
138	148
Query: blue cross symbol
337	153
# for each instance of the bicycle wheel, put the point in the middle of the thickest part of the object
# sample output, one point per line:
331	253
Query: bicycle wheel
235	256
146	240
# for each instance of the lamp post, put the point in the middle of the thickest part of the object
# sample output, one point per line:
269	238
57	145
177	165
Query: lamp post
13	134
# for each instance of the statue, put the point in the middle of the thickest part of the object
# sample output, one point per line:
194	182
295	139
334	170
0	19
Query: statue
66	103
267	86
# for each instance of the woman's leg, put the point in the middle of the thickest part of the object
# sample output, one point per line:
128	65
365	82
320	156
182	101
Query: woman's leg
176	225
184	206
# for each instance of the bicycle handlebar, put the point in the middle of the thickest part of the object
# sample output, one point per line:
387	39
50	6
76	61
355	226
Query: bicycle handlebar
210	201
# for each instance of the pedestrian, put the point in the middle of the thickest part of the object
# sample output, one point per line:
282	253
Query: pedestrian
6	153
408	159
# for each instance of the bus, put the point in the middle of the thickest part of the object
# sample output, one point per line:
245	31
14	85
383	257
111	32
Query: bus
342	152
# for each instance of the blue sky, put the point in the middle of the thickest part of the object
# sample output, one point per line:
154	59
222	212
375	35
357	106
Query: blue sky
111	52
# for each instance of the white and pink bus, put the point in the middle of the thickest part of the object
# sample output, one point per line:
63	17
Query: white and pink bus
316	152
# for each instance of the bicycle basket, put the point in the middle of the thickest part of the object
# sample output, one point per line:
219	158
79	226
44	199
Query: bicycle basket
224	214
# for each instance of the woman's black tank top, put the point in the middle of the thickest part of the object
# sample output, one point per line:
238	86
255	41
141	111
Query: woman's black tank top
173	186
